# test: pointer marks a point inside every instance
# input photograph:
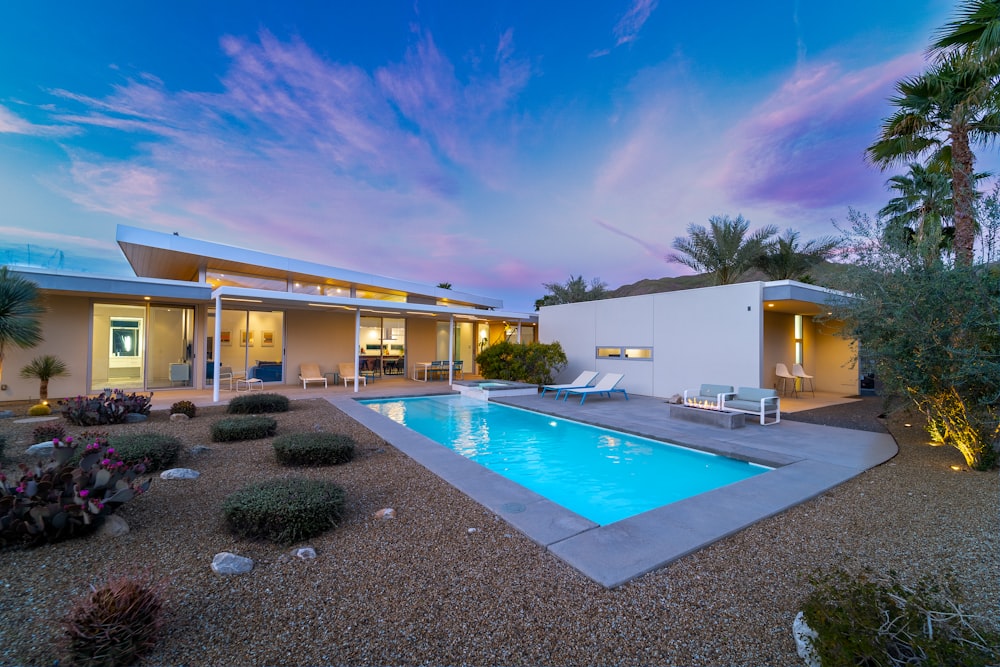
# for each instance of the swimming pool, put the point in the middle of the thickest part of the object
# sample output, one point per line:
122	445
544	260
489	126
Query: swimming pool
602	475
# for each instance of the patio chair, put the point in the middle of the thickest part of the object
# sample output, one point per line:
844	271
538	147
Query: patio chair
606	385
781	371
799	373
582	380
347	373
310	373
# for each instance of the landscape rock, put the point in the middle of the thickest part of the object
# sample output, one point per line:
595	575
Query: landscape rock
6	414
199	449
225	563
179	417
305	553
804	636
113	526
135	418
180	473
387	513
41	449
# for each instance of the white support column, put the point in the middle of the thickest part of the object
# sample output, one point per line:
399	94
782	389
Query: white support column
518	331
217	349
357	347
451	347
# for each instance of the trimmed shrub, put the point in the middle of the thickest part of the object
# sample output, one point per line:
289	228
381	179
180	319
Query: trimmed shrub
864	620
113	625
158	450
184	408
3	445
243	428
313	448
48	432
285	510
255	404
39	410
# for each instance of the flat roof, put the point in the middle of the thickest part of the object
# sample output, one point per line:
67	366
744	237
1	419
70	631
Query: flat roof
173	257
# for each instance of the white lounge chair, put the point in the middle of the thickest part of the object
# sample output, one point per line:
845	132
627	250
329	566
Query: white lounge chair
606	385
347	373
781	371
582	380
310	373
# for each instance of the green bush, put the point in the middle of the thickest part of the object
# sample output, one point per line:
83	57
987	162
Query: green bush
521	362
284	510
243	428
113	625
47	432
864	620
313	448
158	450
255	404
184	408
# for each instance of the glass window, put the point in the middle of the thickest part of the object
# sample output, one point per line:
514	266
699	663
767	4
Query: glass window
639	353
609	353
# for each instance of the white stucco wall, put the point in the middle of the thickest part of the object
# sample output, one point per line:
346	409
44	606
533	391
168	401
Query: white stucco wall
705	335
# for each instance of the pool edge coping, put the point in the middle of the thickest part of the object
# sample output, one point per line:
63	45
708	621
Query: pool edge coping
614	554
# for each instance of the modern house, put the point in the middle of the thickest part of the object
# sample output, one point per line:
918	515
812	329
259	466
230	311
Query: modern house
736	334
194	307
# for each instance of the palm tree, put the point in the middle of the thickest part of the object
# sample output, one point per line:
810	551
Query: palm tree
923	207
576	289
975	31
943	112
44	368
724	249
19	310
789	261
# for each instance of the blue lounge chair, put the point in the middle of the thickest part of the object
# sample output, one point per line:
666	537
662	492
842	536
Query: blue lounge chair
582	380
605	386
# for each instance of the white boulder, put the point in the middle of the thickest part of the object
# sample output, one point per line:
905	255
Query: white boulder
180	473
228	563
804	636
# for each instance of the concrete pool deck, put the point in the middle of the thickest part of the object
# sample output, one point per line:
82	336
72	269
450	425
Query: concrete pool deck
809	460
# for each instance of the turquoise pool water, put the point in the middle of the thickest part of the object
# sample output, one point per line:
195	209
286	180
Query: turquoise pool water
600	474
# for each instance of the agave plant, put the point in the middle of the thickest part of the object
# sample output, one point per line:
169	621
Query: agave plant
44	368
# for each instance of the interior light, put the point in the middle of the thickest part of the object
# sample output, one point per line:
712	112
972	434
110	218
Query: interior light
146	298
770	305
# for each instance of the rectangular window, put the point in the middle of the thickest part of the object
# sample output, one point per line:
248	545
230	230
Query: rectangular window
638	353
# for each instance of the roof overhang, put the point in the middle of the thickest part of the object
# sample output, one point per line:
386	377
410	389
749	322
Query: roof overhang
257	299
88	284
167	256
790	296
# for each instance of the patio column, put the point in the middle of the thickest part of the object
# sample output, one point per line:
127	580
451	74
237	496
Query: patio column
217	348
451	347
357	347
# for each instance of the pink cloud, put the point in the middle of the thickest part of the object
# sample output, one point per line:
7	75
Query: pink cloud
805	143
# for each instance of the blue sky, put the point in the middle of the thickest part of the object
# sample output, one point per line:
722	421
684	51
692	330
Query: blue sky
495	146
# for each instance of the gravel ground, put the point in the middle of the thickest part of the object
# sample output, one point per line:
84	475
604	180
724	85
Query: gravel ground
423	590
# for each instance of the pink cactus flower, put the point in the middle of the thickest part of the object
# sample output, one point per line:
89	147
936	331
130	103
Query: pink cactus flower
84	493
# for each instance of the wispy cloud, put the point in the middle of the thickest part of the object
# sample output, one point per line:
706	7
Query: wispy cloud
296	142
11	123
804	143
628	27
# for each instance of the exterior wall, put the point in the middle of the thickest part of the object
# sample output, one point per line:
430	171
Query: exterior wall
324	338
66	328
705	335
421	341
832	364
779	346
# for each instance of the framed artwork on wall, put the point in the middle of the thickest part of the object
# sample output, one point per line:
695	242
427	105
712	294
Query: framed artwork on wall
225	338
246	338
266	338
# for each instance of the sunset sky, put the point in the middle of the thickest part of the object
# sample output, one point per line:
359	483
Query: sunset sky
494	146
